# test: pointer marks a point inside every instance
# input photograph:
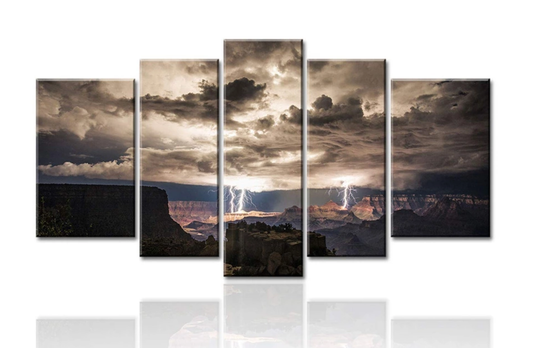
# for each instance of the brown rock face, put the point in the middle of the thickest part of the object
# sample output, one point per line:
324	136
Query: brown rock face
85	210
370	208
185	212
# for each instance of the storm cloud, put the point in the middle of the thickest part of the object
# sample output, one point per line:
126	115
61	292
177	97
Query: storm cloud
179	107
263	121
85	129
440	130
346	123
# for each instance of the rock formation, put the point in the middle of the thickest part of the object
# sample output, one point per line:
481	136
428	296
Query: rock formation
261	250
370	207
420	203
185	212
449	216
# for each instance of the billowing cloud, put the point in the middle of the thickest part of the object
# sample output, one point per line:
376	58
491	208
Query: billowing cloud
346	124
121	169
85	128
179	107
262	115
440	128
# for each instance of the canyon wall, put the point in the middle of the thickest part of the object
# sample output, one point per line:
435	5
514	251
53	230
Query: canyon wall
185	212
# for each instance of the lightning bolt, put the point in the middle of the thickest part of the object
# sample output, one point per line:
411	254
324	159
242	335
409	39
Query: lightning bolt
232	199
239	198
347	194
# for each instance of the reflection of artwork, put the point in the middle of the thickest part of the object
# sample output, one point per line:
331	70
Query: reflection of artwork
179	324
262	166
440	158
346	324
263	316
86	333
441	333
179	156
346	157
85	158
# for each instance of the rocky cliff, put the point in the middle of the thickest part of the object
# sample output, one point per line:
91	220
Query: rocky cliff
185	212
447	217
420	203
316	245
85	210
161	235
370	207
262	250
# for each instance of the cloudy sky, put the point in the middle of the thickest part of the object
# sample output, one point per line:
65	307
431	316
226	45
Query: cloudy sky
441	135
179	107
263	121
85	131
346	123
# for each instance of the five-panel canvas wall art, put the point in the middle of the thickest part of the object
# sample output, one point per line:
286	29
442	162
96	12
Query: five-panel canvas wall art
440	140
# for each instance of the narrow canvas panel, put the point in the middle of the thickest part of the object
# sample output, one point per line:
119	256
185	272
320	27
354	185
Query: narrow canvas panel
441	333
263	315
179	152
179	324
85	158
86	333
346	157
346	324
262	158
440	158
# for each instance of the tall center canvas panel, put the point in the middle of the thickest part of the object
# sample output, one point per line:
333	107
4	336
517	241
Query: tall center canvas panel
179	156
262	165
346	157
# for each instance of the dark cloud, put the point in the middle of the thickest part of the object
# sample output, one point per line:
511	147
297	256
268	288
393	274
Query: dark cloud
85	129
346	124
315	66
179	122
263	114
244	90
323	102
265	123
346	115
444	132
293	116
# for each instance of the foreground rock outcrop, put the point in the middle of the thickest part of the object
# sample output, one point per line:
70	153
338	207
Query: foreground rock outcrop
259	249
161	235
66	210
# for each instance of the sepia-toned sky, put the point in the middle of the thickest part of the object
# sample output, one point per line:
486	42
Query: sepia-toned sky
263	121
179	107
346	123
85	130
440	131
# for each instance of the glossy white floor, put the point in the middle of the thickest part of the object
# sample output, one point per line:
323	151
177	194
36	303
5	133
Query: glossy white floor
419	279
264	316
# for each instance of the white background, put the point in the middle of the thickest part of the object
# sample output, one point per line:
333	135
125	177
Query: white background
419	278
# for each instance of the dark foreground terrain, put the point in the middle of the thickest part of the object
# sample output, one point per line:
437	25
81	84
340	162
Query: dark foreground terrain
85	210
258	249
